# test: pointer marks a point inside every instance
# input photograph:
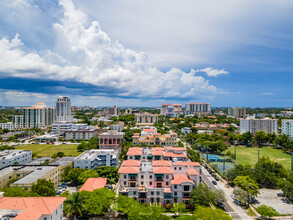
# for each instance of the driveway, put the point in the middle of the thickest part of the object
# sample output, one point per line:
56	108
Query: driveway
274	198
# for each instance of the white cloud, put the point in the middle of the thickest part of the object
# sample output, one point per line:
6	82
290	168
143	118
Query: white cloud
85	53
213	72
267	93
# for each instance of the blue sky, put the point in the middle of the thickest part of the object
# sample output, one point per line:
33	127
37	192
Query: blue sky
143	53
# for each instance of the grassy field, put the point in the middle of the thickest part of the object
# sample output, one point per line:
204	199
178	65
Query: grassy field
47	150
246	155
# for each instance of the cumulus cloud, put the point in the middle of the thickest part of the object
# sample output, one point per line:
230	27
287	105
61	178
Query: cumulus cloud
213	72
84	53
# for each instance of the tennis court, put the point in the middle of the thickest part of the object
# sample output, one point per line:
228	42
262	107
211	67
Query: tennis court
221	167
213	157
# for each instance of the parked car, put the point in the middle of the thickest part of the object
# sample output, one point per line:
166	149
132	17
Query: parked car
233	197
216	178
64	143
210	172
214	182
238	202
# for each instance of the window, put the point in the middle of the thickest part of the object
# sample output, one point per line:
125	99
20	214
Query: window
167	176
175	186
158	193
141	176
151	183
125	176
124	183
167	183
152	193
175	193
134	193
175	168
141	183
151	176
179	168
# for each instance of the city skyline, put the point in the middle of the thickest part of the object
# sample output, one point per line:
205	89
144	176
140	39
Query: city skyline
99	54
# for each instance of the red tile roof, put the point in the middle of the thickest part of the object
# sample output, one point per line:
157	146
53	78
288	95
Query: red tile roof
134	151
32	207
157	149
171	154
161	163
192	172
93	183
167	190
157	153
131	163
184	163
129	170
180	178
162	170
149	130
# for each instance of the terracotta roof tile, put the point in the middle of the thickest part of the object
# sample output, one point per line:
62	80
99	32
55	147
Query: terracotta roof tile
185	163
93	183
131	163
129	170
180	178
161	163
162	170
192	172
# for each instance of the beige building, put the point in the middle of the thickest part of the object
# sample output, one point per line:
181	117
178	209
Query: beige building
235	112
113	111
146	118
253	125
110	140
198	108
81	134
17	120
155	139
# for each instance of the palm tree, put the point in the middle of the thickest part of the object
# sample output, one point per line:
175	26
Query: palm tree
74	205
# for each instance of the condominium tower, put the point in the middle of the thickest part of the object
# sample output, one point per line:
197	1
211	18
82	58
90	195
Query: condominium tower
198	108
253	125
237	112
63	109
287	128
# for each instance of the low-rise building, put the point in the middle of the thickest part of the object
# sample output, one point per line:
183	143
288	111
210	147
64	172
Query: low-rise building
155	139
31	208
47	138
15	157
8	125
110	140
59	128
186	130
163	181
92	159
81	134
119	127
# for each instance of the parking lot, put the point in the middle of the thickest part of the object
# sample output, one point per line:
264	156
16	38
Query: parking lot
274	198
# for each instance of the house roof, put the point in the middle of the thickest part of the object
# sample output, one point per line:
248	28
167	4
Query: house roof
161	163
157	153
167	190
134	151
171	154
180	178
162	170
185	163
93	183
157	149
192	172
32	207
131	163
129	170
149	130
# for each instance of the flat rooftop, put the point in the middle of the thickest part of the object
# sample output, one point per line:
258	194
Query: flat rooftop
39	161
64	161
91	154
9	154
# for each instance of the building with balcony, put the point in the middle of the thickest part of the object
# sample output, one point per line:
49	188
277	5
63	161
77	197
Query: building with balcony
17	120
110	140
235	112
8	125
287	127
155	139
201	109
253	125
146	118
63	109
92	159
113	111
81	134
161	180
118	127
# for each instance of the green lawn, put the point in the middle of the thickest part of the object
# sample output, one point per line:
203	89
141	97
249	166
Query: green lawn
47	150
248	155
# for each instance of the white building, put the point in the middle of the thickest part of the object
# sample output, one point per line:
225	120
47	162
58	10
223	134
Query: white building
198	108
235	112
7	125
92	159
253	125
81	134
119	127
38	116
63	109
110	140
186	130
60	128
287	127
14	157
17	121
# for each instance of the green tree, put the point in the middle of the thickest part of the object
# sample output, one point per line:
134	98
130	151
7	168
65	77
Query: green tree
59	154
207	213
178	208
75	204
260	137
247	184
44	188
125	204
220	195
202	195
241	195
85	174
18	192
266	211
146	211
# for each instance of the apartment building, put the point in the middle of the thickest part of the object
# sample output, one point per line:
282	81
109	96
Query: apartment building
110	140
92	159
59	128
113	111
14	157
38	116
253	125
287	127
81	134
63	109
235	112
146	118
17	120
155	139
147	179
119	127
8	125
198	108
32	208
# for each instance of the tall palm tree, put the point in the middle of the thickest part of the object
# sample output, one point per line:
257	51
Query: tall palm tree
74	205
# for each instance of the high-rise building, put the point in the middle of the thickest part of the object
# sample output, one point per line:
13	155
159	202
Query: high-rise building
63	109
198	108
38	116
146	118
253	125
235	112
287	127
113	111
17	120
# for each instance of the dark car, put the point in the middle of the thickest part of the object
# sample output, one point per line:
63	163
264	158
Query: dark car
214	182
216	178
210	172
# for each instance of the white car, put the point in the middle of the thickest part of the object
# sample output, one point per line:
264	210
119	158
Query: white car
233	197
